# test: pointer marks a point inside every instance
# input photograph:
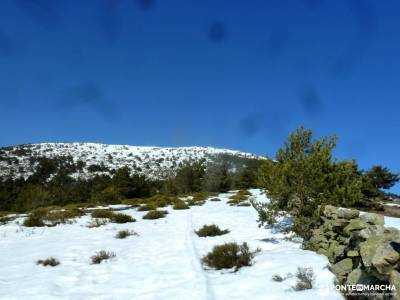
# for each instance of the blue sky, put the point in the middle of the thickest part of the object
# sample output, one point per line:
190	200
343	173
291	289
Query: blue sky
234	74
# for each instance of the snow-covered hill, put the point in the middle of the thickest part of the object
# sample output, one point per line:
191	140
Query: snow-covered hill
162	262
92	158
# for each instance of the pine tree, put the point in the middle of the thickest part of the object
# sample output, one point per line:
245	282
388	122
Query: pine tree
217	178
304	176
190	177
381	177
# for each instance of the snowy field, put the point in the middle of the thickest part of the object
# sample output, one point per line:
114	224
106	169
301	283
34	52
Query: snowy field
163	262
392	222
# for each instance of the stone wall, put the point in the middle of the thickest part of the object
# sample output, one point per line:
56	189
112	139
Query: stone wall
360	249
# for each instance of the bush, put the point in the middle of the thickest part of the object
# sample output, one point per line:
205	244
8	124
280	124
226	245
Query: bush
102	255
110	195
122	218
102	214
147	207
305	279
125	233
180	205
243	193
33	221
215	199
193	202
229	255
155	214
63	215
211	230
76	206
52	262
132	202
97	223
113	217
160	200
50	217
5	220
239	198
202	196
36	218
278	278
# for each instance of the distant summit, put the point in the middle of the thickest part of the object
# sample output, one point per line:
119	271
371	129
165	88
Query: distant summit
84	160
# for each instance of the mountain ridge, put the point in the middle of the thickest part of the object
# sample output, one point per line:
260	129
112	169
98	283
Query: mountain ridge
97	158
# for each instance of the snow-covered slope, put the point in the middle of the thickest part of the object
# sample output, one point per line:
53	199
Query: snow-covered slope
153	162
163	262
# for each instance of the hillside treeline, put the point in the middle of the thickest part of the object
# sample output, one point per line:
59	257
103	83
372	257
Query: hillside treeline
52	183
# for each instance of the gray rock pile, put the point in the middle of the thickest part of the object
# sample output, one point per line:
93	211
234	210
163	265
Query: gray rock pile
360	249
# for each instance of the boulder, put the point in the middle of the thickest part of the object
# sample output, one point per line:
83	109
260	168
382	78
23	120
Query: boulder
335	251
343	240
322	251
359	276
342	268
318	239
330	211
373	219
371	231
355	225
344	213
384	259
337	225
316	231
394	279
368	249
351	240
348	214
330	235
353	253
393	233
380	253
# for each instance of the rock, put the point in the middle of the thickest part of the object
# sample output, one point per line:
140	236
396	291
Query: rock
368	248
344	213
324	246
393	233
337	225
343	240
330	211
385	259
379	253
353	253
316	231
342	268
322	251
394	279
355	225
335	251
331	235
359	276
373	219
350	240
317	241
371	231
348	213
